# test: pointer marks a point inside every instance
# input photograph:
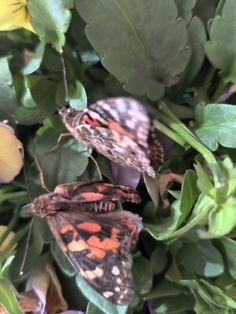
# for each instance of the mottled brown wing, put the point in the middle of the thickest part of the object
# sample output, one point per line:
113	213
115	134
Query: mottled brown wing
117	147
128	113
98	247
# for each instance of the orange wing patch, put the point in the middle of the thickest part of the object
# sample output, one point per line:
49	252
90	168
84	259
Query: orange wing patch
90	226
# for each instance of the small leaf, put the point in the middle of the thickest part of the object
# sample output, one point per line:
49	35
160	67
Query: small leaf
230	252
98	300
202	258
50	20
217	125
141	64
221	48
159	259
36	60
8	104
78	97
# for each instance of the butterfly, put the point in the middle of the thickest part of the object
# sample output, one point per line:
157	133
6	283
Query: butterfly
93	233
119	128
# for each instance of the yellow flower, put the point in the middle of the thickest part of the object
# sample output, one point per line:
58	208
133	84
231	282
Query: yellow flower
11	159
14	14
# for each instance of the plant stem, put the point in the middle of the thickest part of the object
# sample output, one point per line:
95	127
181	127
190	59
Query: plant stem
10	226
174	136
187	136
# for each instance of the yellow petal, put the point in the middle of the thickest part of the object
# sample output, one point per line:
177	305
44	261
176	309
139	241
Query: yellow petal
11	159
14	14
7	240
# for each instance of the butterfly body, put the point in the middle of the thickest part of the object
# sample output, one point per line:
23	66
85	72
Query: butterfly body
96	242
119	128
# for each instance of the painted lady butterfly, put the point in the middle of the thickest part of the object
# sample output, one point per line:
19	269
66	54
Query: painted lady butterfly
95	236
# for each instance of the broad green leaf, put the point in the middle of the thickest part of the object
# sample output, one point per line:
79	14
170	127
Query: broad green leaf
135	45
152	185
97	299
142	275
197	39
55	165
38	100
205	10
8	104
230	252
185	9
78	97
8	298
50	20
36	60
221	48
62	260
217	125
202	258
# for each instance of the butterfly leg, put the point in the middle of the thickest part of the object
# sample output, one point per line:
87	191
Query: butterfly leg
63	135
41	176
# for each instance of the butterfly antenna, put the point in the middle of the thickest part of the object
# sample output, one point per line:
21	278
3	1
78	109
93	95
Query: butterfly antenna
64	72
27	246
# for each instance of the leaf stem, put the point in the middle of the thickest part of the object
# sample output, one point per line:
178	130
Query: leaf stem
187	136
10	226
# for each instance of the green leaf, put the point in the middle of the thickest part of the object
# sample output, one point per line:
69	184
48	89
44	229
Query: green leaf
217	125
221	48
185	9
142	275
62	260
173	304
98	300
204	183
180	208
202	258
55	165
222	219
36	60
8	298
159	259
8	104
147	32
229	247
78	97
93	309
50	20
165	288
38	100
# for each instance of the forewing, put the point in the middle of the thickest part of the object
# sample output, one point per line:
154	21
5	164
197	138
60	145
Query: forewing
97	246
117	147
97	191
128	114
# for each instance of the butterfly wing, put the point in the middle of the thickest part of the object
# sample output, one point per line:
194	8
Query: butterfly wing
124	115
117	147
97	247
94	191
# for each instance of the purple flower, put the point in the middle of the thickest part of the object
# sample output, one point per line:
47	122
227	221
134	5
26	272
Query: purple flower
125	176
72	312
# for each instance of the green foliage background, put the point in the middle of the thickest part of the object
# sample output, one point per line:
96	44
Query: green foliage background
178	56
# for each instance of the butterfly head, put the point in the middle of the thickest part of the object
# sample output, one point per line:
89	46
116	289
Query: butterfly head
70	115
44	205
